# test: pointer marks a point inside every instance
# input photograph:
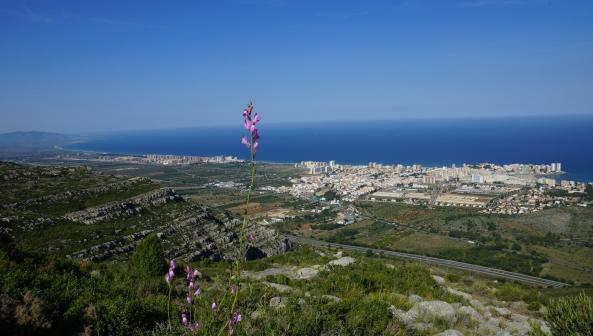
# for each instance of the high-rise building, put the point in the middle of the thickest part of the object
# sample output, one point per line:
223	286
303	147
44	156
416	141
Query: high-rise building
477	178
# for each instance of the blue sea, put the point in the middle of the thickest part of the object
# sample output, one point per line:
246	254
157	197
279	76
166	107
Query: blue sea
430	142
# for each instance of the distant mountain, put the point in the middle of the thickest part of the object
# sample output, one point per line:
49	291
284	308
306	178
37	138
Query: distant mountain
33	141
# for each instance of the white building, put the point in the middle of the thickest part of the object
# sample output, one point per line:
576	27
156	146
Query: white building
477	178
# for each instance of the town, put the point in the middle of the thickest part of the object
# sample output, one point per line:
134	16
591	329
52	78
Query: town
500	189
158	159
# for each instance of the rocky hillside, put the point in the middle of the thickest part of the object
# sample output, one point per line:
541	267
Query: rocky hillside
83	215
436	303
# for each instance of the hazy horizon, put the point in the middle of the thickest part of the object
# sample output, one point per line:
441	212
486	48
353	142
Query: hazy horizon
312	123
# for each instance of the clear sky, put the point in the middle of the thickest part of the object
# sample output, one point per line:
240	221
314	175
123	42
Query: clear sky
80	66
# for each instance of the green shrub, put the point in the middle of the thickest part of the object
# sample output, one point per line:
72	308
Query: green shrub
571	315
128	316
452	277
367	317
148	258
511	292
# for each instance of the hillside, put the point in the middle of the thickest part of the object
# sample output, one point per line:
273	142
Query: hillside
84	253
33	141
71	211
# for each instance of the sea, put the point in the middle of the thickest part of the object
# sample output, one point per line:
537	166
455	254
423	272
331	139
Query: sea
429	142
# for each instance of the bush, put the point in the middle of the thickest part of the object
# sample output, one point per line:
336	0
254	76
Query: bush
148	258
452	277
571	315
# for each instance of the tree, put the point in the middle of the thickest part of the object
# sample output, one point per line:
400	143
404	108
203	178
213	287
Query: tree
148	258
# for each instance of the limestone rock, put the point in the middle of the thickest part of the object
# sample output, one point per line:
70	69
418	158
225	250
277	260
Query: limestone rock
401	315
306	273
343	261
477	304
278	302
413	298
459	293
430	310
502	311
438	279
279	287
469	313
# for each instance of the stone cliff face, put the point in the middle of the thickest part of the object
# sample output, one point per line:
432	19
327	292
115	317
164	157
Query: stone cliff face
76	212
194	232
131	206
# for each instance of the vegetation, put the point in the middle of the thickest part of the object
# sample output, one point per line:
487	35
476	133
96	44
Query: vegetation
571	315
148	258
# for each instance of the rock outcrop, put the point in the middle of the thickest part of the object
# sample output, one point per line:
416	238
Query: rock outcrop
130	206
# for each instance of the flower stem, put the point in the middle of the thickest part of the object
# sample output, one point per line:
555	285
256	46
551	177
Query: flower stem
169	307
242	233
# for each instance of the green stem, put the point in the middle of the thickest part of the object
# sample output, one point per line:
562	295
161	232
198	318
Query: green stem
169	307
242	234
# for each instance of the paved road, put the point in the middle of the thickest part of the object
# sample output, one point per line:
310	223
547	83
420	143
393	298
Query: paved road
527	279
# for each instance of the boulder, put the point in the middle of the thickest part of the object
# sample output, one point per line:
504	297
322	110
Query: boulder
459	293
518	328
343	261
278	302
477	304
439	279
306	273
502	311
413	298
401	315
430	310
279	287
469	313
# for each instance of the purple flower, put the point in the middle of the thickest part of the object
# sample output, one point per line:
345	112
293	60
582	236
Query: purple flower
194	326
189	300
168	278
250	125
236	317
233	289
198	291
171	273
245	142
214	305
184	319
196	273
191	285
172	264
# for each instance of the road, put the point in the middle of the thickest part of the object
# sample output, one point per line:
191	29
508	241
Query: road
527	279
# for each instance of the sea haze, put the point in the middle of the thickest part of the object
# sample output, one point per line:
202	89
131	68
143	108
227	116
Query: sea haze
430	142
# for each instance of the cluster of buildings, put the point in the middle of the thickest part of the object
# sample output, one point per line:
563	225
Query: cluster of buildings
507	189
539	198
168	160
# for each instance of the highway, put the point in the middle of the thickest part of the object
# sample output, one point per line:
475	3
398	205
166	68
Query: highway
527	279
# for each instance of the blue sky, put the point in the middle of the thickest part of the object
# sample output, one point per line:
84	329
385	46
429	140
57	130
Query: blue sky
80	66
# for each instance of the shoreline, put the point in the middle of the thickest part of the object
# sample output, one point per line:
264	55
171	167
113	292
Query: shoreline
553	175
